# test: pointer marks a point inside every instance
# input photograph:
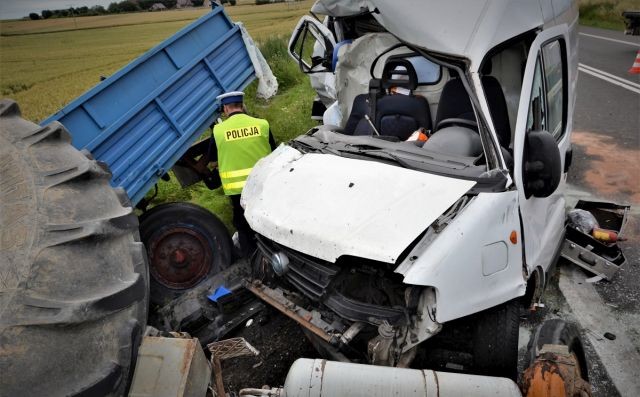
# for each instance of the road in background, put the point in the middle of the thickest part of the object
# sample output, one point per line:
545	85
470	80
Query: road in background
606	165
610	111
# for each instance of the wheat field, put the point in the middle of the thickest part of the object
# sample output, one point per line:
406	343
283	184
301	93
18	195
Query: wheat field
47	63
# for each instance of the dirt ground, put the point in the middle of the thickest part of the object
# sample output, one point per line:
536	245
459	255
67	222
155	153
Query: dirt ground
280	342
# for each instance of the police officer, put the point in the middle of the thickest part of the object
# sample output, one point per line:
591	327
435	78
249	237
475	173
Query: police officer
241	140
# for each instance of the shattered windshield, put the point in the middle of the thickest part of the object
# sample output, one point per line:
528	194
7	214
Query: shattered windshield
400	105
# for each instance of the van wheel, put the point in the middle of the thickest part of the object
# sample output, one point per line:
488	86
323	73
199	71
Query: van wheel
73	274
558	332
495	340
185	244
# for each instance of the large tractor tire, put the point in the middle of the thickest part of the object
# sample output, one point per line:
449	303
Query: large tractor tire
73	273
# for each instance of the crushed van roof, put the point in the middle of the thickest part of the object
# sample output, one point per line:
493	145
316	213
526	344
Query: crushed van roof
467	28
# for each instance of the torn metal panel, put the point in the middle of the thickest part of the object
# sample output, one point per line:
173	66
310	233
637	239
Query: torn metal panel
591	260
328	206
473	257
267	82
600	258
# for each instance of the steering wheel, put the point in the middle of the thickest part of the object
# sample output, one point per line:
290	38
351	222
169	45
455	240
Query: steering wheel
457	121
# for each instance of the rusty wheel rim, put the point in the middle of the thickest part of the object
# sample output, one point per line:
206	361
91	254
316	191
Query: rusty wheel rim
179	257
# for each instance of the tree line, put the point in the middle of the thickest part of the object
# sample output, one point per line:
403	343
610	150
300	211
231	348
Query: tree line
113	8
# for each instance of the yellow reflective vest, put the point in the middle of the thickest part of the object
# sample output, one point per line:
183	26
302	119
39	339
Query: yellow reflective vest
241	141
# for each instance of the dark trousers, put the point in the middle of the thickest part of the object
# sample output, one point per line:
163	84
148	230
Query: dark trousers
245	234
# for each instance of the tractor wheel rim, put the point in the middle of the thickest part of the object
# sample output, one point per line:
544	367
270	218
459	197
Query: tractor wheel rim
179	257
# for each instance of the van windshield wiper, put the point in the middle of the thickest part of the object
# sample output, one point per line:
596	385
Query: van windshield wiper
379	154
306	147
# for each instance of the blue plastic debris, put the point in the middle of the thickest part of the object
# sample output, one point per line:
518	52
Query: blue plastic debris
219	293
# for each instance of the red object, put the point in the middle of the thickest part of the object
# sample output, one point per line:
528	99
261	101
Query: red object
607	236
635	69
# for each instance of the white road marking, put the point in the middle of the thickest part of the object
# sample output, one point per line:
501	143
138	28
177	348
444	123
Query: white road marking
620	356
623	83
620	79
609	39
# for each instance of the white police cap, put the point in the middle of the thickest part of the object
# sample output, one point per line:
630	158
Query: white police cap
230	97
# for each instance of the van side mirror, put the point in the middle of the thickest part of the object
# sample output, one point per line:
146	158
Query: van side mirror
542	165
311	46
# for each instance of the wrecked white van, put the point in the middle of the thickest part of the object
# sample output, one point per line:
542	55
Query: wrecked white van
434	207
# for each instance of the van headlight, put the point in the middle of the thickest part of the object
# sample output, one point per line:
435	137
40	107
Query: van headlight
280	263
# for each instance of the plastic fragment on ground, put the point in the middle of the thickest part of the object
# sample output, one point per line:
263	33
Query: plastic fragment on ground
219	293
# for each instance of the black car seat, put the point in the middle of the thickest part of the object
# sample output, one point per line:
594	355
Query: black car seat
455	104
357	124
498	109
394	115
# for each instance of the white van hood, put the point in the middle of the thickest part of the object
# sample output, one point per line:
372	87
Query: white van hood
327	206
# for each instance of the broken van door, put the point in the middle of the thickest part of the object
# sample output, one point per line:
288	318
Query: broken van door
542	138
311	45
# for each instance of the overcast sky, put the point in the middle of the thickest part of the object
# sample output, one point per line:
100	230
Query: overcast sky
12	9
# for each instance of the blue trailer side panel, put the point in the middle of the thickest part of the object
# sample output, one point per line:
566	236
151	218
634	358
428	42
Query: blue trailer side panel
142	119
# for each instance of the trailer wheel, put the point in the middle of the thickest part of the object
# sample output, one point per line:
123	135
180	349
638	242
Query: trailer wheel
558	332
73	275
185	244
495	340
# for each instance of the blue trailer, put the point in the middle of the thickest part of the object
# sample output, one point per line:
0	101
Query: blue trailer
143	121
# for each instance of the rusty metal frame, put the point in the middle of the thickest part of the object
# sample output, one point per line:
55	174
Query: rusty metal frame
298	314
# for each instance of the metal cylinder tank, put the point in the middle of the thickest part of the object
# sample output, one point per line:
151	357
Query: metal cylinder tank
322	378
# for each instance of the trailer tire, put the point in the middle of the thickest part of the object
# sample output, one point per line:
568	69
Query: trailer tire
185	244
495	340
73	275
558	332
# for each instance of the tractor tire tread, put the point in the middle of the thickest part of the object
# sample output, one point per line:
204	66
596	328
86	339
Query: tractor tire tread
73	273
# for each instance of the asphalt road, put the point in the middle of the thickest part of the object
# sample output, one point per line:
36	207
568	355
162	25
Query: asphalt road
606	166
607	116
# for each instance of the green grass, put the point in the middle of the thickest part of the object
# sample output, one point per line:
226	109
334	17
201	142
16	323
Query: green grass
605	14
288	114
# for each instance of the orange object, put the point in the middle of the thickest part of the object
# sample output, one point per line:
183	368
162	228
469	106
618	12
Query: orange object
513	237
418	135
607	236
545	382
554	375
635	69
